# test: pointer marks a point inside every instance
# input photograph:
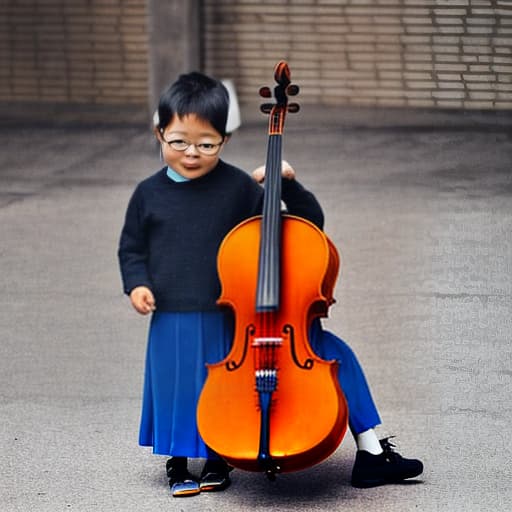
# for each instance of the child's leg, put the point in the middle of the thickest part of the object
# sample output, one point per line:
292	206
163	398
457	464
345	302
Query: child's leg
215	475
363	414
376	461
181	482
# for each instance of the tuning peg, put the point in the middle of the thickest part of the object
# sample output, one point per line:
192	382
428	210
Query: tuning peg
292	90
266	108
293	108
265	92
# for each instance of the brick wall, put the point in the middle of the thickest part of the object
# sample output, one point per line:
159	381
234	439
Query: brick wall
83	51
432	53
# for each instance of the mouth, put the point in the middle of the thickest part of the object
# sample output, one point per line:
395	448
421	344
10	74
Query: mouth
191	166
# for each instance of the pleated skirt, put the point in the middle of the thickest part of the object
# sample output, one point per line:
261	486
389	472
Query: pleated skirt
179	346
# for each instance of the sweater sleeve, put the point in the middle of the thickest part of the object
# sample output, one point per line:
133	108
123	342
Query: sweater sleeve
301	202
132	252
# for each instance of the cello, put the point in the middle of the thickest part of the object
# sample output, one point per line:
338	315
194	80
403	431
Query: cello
272	405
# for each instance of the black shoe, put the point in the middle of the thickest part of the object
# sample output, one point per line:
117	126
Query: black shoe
215	476
386	468
181	482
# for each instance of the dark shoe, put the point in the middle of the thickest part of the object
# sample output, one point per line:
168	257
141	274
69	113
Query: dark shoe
386	468
215	476
181	482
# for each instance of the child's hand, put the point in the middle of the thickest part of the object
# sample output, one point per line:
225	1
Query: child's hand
287	172
142	300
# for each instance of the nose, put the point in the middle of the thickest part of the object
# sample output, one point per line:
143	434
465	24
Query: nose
191	150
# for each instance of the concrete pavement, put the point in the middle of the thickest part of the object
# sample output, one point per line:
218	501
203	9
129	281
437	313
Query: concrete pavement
420	206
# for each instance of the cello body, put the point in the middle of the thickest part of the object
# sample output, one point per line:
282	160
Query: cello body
272	405
308	414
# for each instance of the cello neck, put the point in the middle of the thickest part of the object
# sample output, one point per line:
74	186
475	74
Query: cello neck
269	266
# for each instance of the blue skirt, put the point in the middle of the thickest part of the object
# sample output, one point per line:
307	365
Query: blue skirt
179	346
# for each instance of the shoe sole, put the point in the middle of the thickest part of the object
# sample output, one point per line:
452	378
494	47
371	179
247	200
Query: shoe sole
213	488
366	484
183	489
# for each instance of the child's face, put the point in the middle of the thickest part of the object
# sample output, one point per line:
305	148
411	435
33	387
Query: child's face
201	156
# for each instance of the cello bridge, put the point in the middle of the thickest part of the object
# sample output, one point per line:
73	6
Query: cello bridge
267	341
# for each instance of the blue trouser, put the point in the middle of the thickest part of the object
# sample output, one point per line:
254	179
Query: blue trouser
363	413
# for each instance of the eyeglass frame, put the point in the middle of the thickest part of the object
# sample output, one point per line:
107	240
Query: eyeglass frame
216	146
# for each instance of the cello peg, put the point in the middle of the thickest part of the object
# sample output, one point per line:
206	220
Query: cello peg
293	108
265	92
292	90
266	108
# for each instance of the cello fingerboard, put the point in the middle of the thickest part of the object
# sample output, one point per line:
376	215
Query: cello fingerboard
269	266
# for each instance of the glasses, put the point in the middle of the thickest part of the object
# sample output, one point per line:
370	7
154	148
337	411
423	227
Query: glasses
205	148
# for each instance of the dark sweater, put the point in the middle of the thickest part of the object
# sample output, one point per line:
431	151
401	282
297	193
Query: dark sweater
173	231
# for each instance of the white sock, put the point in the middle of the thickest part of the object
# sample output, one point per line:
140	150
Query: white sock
368	442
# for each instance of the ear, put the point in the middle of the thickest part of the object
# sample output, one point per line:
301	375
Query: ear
158	133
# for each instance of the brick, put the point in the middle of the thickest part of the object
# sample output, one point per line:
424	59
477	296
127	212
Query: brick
502	87
480	20
421	84
478	77
502	68
477	49
390	75
420	29
479	86
449	76
445	40
417	57
449	30
453	21
482	30
389	65
450	12
417	76
415	11
419	66
481	68
450	67
482	95
502	60
416	39
503	50
450	57
450	95
418	94
482	11
450	85
504	78
502	41
449	53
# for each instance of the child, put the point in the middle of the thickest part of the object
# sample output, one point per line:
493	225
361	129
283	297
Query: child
175	222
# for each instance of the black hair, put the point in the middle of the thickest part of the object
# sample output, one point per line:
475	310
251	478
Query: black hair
195	93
